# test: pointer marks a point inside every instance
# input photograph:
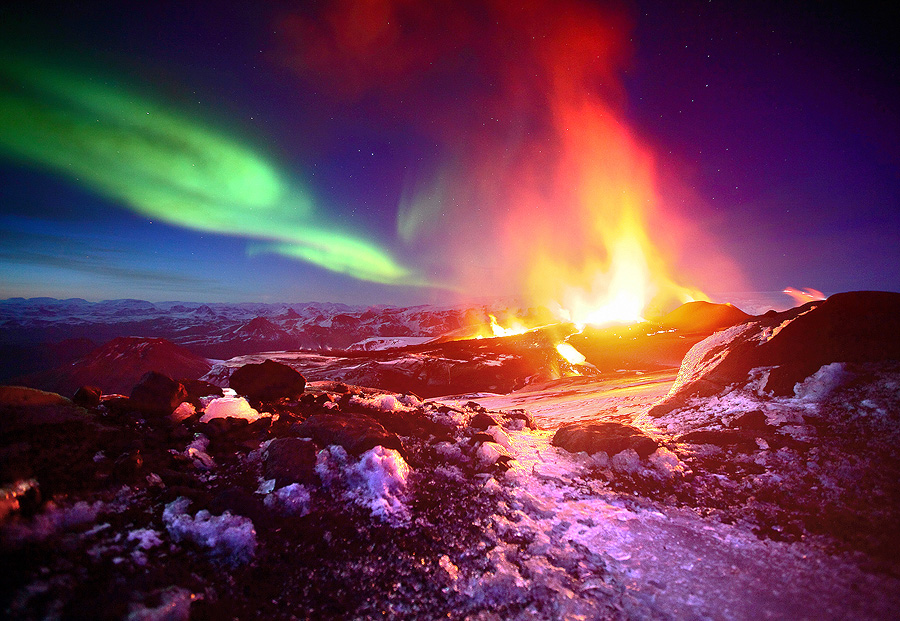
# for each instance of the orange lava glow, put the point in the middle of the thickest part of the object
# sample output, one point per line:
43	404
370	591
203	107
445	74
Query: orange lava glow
540	190
802	296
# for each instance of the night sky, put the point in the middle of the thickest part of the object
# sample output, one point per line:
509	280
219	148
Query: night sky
401	152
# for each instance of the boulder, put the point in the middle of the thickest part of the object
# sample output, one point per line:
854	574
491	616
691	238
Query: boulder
482	420
196	389
87	397
610	438
267	381
357	433
291	460
157	393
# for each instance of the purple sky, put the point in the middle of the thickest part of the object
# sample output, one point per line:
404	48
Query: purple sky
773	126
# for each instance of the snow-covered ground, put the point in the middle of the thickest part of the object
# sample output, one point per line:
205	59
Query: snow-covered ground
673	562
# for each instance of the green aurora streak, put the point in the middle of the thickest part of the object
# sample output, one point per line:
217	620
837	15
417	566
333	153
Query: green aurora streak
163	165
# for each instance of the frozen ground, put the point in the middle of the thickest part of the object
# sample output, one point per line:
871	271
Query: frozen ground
673	562
476	515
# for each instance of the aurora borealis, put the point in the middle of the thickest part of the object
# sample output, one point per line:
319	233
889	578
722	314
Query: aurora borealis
162	165
385	152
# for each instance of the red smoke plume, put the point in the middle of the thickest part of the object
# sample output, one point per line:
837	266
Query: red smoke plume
542	189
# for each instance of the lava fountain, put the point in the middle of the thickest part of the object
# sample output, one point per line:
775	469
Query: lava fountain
535	186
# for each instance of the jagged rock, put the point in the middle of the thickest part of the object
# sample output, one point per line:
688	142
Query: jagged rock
357	434
87	397
291	460
267	381
158	393
610	438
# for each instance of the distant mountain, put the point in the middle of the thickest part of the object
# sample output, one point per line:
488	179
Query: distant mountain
119	364
215	330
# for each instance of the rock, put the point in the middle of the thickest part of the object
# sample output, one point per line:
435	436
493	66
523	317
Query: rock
291	460
87	397
22	408
356	434
197	389
610	438
856	327
267	381
482	420
724	438
524	416
157	393
751	421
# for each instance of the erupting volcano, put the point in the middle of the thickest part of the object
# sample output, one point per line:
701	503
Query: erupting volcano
553	370
538	188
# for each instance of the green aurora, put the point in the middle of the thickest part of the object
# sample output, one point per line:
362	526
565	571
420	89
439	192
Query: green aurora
164	165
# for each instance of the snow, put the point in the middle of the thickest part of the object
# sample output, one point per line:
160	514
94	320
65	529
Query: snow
387	402
293	499
230	538
706	355
820	384
52	521
230	407
146	538
672	562
377	343
378	481
197	452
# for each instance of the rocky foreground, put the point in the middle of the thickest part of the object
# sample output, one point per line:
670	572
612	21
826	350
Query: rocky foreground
729	498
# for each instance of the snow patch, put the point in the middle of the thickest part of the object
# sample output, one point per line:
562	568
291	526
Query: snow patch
230	407
822	383
230	538
293	499
378	481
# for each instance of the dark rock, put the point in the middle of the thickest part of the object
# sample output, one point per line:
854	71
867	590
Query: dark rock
751	421
611	438
197	389
291	460
482	420
702	317
267	381
238	502
482	437
157	393
357	433
87	397
23	408
856	327
739	440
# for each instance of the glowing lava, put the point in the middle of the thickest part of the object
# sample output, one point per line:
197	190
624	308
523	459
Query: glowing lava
802	296
570	353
